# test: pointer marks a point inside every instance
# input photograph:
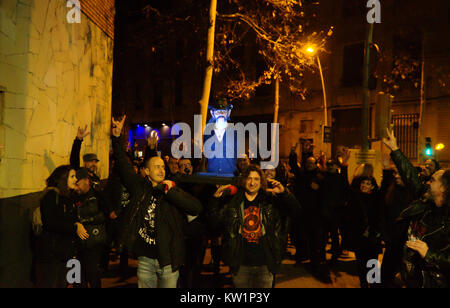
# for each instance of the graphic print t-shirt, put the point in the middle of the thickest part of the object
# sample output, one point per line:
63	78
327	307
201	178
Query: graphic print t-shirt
146	243
252	233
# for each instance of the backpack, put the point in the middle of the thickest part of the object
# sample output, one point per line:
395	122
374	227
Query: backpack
36	219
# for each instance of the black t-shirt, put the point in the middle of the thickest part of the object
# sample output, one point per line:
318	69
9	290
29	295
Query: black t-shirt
146	239
252	232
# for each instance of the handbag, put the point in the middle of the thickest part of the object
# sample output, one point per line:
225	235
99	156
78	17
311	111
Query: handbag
97	235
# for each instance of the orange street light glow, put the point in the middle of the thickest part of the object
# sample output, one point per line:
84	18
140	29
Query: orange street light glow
439	146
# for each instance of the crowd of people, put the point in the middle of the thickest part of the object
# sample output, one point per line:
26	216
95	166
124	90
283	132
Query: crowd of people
145	210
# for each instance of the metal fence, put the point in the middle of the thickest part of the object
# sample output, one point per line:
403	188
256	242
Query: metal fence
406	130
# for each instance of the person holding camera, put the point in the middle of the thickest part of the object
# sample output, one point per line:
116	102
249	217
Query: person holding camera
254	239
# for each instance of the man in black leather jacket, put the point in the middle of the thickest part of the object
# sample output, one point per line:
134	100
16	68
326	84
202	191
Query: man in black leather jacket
154	219
254	237
426	258
90	212
396	197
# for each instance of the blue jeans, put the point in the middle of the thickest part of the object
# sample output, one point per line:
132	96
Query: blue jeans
253	277
151	275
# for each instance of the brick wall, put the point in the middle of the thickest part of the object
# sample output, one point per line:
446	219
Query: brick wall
101	12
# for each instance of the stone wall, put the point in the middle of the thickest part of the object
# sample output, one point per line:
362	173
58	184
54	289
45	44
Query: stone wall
55	76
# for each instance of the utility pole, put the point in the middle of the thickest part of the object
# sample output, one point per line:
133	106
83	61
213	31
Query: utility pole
422	102
366	94
204	101
325	122
276	106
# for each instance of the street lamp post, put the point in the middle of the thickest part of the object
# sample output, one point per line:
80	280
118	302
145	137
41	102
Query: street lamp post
324	94
311	50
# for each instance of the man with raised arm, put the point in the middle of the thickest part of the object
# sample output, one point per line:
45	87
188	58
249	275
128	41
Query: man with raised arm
90	160
153	221
426	258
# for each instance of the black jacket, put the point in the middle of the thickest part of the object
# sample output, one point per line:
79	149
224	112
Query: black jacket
273	209
394	199
57	241
303	190
116	195
90	208
432	224
170	213
363	221
333	194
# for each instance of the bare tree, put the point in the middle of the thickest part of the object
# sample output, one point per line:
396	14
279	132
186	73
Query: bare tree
282	31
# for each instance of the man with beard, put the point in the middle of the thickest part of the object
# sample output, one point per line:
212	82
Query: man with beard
220	115
254	239
431	166
426	259
396	197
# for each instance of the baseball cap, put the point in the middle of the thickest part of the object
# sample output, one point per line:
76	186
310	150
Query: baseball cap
90	157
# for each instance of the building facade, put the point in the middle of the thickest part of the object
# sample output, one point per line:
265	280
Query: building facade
56	63
415	30
55	75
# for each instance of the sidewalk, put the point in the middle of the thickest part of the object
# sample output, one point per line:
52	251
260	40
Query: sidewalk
343	275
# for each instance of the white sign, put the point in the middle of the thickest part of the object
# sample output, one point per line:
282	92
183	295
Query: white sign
357	160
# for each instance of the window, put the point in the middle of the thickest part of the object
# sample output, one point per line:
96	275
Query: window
353	65
157	94
306	126
351	8
178	90
407	49
139	103
406	130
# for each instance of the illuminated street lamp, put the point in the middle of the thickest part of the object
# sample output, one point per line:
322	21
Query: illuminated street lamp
439	146
312	51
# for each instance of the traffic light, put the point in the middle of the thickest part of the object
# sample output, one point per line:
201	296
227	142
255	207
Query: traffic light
428	147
